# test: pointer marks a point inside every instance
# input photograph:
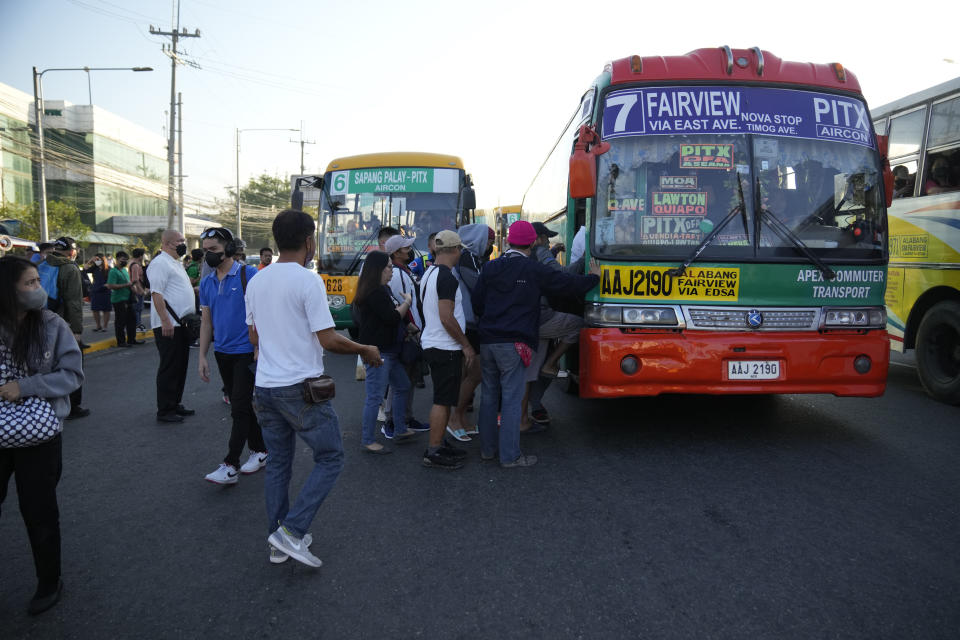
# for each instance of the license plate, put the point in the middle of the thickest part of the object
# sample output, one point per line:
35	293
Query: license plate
334	285
753	369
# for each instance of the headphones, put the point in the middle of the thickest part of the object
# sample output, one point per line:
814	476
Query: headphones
230	248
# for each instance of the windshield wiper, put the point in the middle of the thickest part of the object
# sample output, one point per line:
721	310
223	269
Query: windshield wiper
360	252
740	207
785	233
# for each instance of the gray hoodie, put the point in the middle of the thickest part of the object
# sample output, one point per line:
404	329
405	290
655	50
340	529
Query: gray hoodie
56	372
474	238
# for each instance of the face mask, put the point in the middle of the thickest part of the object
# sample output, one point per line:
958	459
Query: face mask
213	259
181	250
33	299
98	262
123	263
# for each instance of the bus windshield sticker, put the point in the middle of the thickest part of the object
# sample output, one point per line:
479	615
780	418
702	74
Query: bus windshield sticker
648	282
678	182
706	156
669	203
673	230
787	113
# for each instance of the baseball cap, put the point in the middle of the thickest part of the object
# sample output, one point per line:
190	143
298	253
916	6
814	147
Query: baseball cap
394	243
446	239
65	243
521	233
542	230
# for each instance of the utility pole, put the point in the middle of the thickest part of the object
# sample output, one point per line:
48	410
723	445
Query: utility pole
302	142
180	162
38	110
174	35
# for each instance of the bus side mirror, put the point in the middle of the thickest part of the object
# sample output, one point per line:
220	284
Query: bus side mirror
883	144
583	163
468	198
296	200
583	173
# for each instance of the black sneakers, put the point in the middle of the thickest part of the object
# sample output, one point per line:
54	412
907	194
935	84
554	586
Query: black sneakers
454	452
441	460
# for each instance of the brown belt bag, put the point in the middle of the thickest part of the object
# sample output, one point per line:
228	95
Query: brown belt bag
316	390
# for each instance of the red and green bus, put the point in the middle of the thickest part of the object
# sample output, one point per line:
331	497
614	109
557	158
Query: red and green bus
737	205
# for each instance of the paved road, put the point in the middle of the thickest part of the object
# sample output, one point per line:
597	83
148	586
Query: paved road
677	517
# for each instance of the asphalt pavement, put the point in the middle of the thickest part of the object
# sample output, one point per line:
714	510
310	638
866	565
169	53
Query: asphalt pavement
672	517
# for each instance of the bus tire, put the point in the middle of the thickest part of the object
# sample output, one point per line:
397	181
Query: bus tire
938	351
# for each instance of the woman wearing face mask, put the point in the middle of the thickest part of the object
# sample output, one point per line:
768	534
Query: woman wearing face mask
119	284
41	366
99	294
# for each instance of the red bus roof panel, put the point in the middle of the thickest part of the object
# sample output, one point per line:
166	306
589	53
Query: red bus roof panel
744	65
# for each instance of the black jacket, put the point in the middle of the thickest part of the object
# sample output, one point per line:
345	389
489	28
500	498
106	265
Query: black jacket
507	297
378	320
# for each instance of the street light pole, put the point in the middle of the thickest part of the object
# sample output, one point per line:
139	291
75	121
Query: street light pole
38	112
237	146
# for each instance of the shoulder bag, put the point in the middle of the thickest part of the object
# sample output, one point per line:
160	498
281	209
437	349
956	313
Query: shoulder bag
28	421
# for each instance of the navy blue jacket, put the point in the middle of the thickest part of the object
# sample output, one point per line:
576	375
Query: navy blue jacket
507	297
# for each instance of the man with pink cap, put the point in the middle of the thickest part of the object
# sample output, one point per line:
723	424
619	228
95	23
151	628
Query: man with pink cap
507	305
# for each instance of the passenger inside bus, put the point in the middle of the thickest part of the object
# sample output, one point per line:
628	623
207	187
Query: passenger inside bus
944	168
903	181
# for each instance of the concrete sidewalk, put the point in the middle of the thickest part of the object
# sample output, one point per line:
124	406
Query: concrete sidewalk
100	341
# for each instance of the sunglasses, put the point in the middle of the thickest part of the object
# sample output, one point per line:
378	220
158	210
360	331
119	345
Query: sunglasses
216	232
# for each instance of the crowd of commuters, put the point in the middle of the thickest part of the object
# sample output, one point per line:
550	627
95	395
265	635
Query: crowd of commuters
453	314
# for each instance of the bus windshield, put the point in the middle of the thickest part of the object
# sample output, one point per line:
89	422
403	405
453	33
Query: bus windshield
351	220
659	196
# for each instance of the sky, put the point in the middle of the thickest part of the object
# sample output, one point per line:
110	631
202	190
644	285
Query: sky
493	82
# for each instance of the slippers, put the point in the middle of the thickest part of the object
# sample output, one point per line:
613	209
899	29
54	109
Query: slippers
459	434
382	451
550	373
473	431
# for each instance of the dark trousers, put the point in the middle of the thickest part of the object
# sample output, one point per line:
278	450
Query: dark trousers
77	396
36	471
238	384
124	322
172	372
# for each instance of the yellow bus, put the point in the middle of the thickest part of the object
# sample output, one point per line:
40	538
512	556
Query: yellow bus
414	192
923	279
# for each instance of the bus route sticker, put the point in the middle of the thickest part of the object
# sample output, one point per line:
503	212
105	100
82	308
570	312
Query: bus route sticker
700	284
706	156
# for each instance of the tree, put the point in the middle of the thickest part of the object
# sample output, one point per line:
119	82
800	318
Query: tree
264	191
62	220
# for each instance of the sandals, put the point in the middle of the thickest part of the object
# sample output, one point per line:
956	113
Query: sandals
459	434
382	451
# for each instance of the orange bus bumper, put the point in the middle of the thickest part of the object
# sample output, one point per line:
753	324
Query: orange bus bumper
696	362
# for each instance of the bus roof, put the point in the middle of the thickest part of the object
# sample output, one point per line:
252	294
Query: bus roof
722	64
944	88
396	159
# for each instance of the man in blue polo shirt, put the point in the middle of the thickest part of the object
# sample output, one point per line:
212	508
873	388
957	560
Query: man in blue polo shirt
224	321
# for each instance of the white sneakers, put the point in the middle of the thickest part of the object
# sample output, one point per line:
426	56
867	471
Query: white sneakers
225	474
256	461
228	474
296	548
279	557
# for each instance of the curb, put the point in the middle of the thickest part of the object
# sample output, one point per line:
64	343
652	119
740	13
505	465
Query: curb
103	345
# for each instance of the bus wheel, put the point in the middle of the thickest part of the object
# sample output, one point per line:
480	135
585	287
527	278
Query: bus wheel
938	351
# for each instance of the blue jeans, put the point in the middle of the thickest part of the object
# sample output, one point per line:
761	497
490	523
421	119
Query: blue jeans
391	372
138	309
503	382
284	415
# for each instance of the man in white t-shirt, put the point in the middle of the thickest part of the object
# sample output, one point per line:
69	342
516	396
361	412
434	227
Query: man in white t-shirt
444	346
290	323
170	285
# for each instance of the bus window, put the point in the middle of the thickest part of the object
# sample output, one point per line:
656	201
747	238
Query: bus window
944	173
904	178
906	133
945	123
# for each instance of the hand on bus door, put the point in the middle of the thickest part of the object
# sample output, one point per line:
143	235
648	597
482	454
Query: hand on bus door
594	267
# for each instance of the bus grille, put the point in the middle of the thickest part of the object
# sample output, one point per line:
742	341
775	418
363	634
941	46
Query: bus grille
735	318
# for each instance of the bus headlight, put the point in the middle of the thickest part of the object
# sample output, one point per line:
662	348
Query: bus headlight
630	315
336	302
856	318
